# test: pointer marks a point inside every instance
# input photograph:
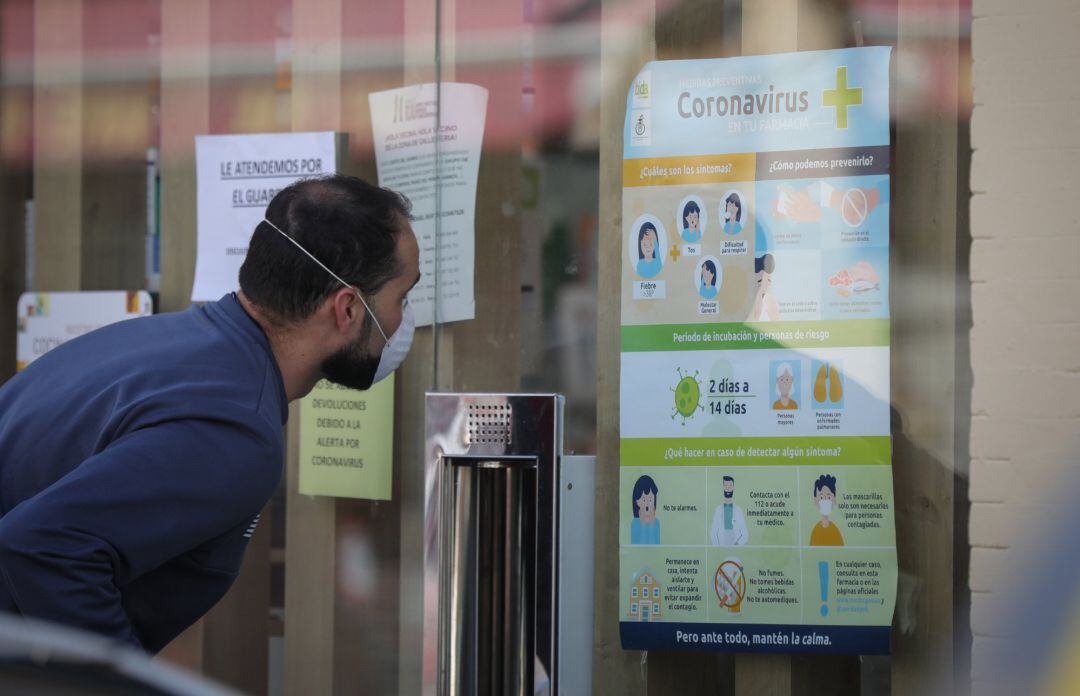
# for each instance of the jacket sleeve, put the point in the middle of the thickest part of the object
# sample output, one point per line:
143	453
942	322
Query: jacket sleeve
148	497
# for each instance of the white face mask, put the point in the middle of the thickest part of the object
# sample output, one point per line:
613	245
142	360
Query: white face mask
825	506
397	346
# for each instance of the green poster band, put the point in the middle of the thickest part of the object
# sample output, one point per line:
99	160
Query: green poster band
738	336
843	450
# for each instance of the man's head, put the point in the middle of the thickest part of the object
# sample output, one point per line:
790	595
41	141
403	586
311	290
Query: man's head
729	487
361	234
824	489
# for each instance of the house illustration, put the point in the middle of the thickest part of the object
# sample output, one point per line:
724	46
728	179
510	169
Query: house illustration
646	597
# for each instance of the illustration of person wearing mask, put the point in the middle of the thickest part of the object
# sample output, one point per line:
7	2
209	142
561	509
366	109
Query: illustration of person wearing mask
708	280
825	532
728	524
785	380
732	214
691	215
765	307
648	264
645	527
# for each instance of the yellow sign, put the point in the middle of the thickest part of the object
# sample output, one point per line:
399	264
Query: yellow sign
693	169
347	441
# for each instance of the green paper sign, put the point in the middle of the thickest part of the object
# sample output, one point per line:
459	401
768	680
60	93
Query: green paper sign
347	441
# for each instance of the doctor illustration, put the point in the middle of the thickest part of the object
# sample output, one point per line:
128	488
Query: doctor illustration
728	524
648	265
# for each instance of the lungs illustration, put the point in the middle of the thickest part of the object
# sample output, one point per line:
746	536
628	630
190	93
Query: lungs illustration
827	384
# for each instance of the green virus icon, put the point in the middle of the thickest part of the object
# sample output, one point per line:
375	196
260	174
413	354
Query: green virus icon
687	396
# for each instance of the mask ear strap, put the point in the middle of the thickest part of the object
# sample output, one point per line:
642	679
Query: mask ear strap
336	277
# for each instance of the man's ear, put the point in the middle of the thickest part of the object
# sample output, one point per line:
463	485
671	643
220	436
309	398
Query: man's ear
347	309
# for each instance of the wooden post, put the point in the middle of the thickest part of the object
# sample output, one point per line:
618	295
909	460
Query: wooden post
924	243
236	631
621	56
58	144
692	30
16	186
185	113
777	27
310	533
416	377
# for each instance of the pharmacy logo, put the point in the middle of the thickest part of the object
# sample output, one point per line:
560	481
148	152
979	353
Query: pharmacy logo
842	97
687	396
642	90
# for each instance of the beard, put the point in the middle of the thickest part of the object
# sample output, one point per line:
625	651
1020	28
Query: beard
353	366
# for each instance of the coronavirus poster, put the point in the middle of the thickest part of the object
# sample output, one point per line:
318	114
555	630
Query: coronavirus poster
756	501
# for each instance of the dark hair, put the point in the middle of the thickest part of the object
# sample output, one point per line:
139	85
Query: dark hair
825	481
641	236
734	198
712	269
690	207
349	225
729	478
764	263
644	485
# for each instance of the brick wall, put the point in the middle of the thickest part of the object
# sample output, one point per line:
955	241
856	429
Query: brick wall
1025	275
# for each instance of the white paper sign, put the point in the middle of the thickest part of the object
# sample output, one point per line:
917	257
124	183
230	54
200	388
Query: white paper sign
403	123
49	319
237	176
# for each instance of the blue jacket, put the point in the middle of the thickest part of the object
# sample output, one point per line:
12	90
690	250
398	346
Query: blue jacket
134	462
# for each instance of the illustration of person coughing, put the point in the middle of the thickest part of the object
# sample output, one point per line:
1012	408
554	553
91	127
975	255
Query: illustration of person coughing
691	214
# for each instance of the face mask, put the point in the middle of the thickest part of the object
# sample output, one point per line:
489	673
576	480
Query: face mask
825	506
397	346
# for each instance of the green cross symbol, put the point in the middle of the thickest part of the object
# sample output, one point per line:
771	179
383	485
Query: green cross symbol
842	97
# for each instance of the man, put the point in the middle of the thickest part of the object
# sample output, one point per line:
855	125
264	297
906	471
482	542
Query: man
729	524
134	460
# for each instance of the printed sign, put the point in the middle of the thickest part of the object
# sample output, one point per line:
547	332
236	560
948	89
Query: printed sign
48	319
347	441
238	175
756	499
404	124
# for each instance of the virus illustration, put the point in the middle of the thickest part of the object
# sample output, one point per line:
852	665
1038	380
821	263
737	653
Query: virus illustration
687	396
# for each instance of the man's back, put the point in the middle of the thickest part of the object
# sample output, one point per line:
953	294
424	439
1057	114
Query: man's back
132	463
